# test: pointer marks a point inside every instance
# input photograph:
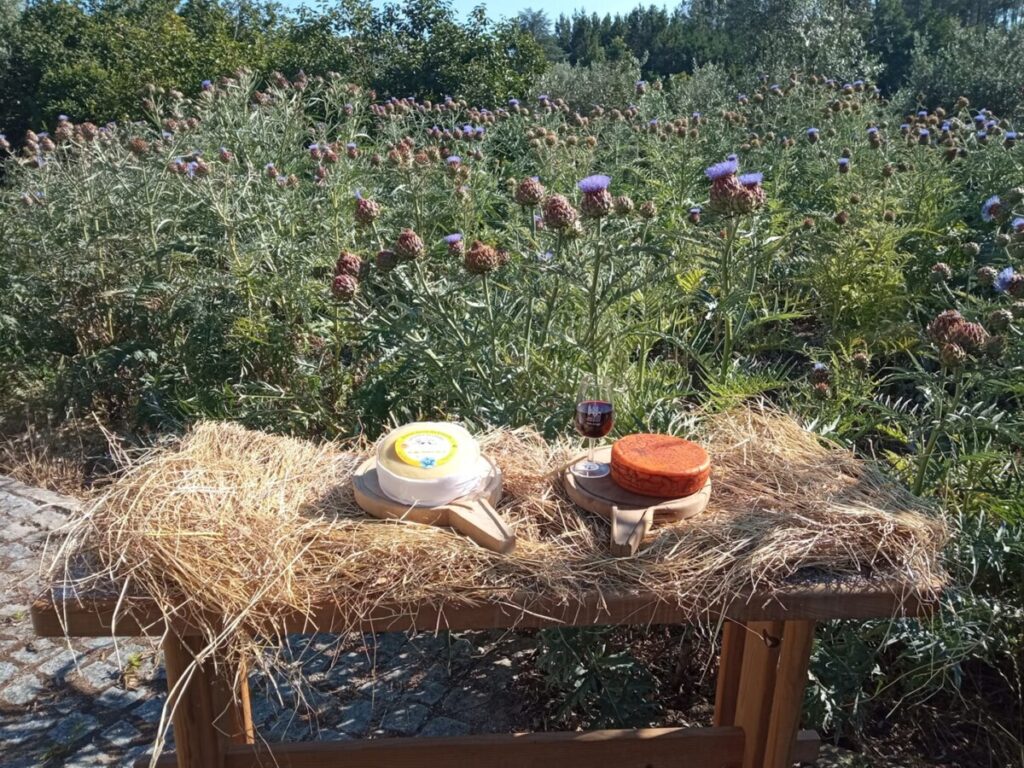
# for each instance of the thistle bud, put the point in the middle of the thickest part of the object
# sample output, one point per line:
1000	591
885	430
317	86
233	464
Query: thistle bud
861	361
366	210
409	245
648	210
623	205
941	273
558	213
1000	319
386	260
941	327
481	258
820	373
970	337
986	275
349	263
344	287
951	355
455	243
529	192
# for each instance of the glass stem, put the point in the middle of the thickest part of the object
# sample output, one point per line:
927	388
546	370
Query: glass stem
590	452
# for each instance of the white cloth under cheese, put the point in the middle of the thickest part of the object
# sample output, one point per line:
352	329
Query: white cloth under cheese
429	463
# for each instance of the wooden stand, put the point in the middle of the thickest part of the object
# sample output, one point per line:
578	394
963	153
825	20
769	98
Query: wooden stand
631	515
472	515
766	647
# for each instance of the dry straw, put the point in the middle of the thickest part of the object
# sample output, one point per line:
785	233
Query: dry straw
245	525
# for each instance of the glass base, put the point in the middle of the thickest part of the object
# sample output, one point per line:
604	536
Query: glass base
587	468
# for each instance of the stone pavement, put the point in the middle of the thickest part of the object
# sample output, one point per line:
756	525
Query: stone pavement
96	704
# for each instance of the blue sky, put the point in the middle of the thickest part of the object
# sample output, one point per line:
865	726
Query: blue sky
553	8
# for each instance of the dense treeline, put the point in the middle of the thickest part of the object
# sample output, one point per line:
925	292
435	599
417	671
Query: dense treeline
90	59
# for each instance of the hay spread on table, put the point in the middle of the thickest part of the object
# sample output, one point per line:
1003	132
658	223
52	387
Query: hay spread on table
248	525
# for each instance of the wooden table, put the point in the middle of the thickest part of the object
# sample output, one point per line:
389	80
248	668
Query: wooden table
766	647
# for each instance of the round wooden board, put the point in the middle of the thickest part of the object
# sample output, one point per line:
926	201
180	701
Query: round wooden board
600	494
373	500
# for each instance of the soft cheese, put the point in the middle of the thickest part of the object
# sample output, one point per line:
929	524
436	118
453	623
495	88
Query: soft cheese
429	463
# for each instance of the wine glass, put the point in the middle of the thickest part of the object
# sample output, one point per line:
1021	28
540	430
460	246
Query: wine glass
594	418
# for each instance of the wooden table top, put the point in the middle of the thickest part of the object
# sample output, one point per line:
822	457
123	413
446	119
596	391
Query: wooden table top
65	611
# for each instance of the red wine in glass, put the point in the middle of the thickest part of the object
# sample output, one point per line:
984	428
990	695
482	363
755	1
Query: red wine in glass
595	416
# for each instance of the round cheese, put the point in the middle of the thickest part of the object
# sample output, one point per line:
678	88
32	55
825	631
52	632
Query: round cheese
429	463
660	465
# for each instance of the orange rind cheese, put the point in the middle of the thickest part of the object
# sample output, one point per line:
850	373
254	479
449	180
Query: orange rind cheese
660	465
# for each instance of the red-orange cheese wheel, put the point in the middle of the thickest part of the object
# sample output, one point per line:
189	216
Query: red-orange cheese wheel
660	465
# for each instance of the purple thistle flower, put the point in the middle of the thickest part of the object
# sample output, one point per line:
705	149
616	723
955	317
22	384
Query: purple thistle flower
695	115
979	118
454	237
922	113
751	179
872	131
813	131
190	169
207	85
358	195
653	122
594	184
721	170
696	209
546	256
350	145
513	102
543	97
982	135
1003	280
1011	135
733	158
480	130
62	118
167	135
1017	224
945	125
905	127
924	132
992	208
43	134
453	160
843	162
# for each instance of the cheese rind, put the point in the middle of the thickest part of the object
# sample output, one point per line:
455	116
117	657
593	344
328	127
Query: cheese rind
429	463
662	466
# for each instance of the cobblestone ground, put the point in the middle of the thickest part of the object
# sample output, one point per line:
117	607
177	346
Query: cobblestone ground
96	704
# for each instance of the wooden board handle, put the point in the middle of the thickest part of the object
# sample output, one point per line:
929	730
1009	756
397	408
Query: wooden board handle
481	522
629	526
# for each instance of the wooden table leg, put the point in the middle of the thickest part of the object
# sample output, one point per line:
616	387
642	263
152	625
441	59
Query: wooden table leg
730	662
757	687
212	707
788	701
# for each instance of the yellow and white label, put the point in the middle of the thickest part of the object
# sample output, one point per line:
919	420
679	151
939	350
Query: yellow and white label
426	448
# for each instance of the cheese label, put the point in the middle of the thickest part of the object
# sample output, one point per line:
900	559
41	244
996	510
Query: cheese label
426	448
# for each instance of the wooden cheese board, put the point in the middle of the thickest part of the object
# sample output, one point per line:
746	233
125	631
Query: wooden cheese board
631	515
472	515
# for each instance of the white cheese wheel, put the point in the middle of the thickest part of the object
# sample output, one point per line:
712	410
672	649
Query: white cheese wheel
429	463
